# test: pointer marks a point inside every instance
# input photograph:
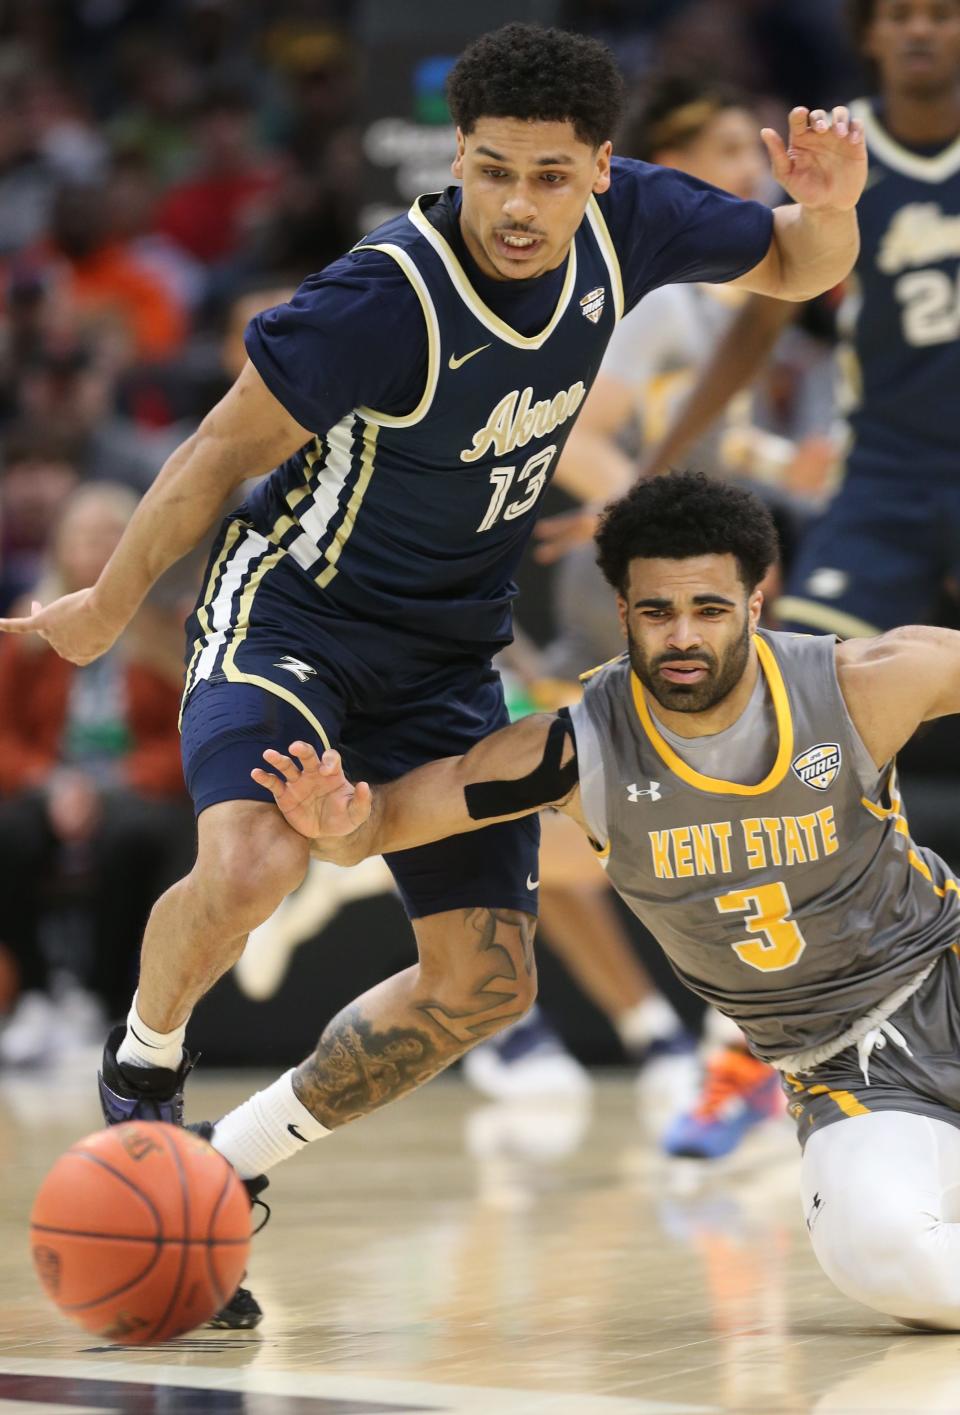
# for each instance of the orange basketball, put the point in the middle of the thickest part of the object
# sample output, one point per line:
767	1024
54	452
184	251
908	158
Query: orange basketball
140	1232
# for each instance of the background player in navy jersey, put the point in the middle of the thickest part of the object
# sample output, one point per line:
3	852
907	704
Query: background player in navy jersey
411	401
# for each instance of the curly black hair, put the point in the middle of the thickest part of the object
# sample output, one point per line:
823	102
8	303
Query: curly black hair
673	110
540	75
682	514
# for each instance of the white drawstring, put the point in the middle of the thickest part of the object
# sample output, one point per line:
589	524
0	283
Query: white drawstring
877	1038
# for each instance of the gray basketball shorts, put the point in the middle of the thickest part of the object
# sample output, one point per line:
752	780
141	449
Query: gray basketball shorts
921	1077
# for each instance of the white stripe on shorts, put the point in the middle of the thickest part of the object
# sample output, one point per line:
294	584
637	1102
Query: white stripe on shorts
220	614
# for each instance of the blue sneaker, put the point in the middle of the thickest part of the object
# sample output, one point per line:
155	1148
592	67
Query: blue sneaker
140	1092
527	1059
739	1092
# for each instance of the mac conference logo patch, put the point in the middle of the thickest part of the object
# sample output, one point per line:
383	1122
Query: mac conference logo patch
818	766
591	305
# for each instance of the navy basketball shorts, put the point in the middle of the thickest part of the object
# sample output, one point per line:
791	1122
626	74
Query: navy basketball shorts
270	663
878	557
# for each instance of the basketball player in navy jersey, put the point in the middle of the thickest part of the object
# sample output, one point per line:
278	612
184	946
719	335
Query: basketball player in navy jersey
410	403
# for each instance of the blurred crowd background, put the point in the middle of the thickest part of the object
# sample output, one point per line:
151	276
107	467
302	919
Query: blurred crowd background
168	168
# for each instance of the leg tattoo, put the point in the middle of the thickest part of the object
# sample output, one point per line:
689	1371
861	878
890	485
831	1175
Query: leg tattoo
360	1064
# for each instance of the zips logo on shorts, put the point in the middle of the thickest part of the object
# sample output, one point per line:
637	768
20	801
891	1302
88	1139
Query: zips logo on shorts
818	766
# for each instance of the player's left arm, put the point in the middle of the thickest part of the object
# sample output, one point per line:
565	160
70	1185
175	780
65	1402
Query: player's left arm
816	242
893	683
515	772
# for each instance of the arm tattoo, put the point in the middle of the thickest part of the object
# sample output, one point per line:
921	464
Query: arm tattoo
382	1047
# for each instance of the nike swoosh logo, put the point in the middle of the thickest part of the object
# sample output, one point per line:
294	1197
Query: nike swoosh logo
296	1134
455	362
532	883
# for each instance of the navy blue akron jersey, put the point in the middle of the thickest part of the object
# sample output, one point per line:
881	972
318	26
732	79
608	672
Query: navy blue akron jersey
902	316
416	512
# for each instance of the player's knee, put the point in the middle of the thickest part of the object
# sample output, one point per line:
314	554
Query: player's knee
894	1257
246	868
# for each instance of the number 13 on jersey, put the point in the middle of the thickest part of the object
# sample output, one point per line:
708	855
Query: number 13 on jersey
533	475
766	911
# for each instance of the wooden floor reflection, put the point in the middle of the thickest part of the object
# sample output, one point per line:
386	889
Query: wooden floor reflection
452	1255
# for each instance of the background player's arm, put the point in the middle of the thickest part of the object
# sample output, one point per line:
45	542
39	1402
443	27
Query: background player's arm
736	361
893	683
514	772
247	434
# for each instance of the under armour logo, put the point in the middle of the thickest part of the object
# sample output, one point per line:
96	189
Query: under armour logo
634	793
816	1208
300	670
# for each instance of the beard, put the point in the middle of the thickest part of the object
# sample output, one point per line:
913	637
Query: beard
723	674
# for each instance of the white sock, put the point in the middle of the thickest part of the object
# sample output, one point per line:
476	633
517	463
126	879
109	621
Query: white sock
142	1046
271	1126
647	1021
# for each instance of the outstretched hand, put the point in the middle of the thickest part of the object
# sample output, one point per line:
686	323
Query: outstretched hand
823	164
313	793
72	626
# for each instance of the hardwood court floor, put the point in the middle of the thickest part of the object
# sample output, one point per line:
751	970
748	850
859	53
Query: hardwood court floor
454	1256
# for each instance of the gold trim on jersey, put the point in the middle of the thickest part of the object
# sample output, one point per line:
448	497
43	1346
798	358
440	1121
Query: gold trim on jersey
781	707
238	633
342	534
473	301
925	169
847	1102
585	677
433	342
895	813
608	250
823	617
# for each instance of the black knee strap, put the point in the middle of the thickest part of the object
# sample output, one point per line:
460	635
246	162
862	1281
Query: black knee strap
548	782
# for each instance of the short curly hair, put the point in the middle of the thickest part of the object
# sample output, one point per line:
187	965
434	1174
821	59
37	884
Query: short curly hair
538	75
682	514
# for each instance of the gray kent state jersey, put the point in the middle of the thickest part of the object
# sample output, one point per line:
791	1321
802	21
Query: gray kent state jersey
795	905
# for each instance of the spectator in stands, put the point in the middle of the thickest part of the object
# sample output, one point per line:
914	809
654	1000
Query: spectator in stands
40	470
110	293
214	211
73	386
94	822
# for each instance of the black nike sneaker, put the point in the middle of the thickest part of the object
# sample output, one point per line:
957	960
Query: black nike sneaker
140	1092
243	1311
156	1093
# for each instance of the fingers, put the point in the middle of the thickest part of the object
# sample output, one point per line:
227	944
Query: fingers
25	625
799	121
274	784
282	764
358	809
779	157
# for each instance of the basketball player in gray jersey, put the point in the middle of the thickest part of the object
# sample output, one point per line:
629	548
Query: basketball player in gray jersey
741	786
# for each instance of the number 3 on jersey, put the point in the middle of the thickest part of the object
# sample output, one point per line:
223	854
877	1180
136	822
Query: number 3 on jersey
766	910
533	474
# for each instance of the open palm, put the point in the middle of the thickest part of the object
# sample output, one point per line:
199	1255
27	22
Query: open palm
313	792
824	162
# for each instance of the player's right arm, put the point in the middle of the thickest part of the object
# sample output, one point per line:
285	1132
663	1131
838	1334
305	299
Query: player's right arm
515	772
247	434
